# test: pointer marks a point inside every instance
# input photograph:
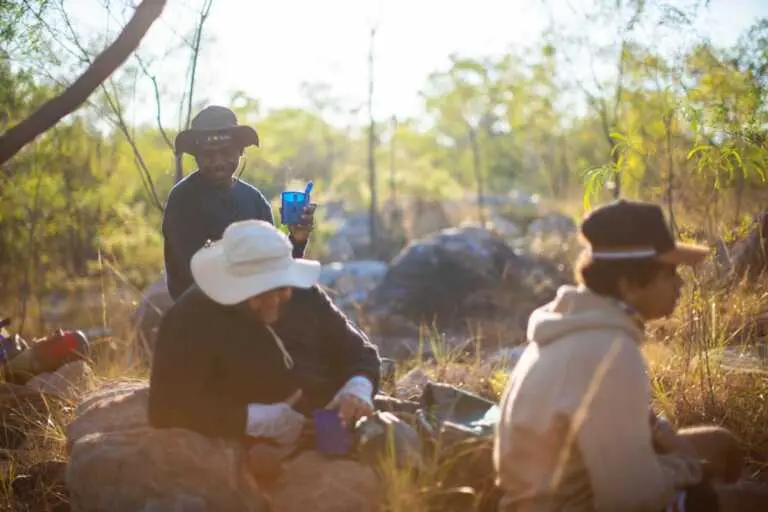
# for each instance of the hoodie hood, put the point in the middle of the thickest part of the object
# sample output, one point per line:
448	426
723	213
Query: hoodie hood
576	308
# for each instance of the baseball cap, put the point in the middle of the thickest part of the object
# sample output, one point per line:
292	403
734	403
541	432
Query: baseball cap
636	230
214	126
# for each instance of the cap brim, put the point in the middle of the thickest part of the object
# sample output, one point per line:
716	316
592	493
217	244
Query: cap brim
187	140
210	274
685	254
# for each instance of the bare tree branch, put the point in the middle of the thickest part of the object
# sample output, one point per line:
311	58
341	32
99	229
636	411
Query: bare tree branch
153	78
102	67
192	75
119	122
58	36
123	126
194	58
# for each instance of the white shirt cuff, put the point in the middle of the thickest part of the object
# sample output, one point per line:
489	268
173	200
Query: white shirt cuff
358	386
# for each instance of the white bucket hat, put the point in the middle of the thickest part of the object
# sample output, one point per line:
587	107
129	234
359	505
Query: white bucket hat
252	257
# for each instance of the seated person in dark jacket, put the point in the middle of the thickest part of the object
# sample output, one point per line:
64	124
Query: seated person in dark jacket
255	346
204	203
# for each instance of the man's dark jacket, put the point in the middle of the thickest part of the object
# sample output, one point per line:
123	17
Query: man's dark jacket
198	211
211	361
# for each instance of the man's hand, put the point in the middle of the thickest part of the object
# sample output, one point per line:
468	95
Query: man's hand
276	421
300	232
354	400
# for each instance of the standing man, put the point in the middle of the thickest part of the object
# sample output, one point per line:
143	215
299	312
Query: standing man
202	205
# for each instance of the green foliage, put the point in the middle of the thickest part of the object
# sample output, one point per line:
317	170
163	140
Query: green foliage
699	120
690	128
21	17
595	179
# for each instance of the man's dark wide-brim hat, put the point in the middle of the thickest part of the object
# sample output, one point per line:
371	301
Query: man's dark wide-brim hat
214	126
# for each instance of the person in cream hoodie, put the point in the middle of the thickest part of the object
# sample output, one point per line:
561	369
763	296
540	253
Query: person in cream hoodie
575	434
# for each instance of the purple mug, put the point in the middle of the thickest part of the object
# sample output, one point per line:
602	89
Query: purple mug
331	437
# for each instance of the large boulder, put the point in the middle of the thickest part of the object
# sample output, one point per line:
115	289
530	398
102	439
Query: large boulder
118	462
314	482
459	274
118	405
159	469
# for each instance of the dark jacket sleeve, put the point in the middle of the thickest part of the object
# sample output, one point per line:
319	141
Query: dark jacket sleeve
184	387
183	235
352	352
263	208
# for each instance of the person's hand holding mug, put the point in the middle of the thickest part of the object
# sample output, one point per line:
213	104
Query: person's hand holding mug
300	232
354	400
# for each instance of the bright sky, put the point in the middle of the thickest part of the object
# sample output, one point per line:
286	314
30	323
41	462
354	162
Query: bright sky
267	48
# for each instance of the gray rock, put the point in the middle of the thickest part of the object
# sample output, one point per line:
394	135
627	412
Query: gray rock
70	381
350	282
351	240
313	482
119	405
552	224
455	275
386	441
177	503
412	383
132	469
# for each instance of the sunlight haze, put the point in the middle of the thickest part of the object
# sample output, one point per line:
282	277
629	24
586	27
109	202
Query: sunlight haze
267	49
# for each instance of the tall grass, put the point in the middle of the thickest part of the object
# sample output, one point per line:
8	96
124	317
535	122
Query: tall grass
695	370
705	365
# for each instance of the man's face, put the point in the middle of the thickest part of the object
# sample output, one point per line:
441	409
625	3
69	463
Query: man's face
218	163
658	298
266	306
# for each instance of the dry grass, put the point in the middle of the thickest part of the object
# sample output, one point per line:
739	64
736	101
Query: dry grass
685	353
691	358
45	441
694	380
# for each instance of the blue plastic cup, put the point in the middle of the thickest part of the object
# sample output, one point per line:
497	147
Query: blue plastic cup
292	207
293	204
331	437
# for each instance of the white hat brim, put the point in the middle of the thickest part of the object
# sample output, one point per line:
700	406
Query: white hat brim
210	273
